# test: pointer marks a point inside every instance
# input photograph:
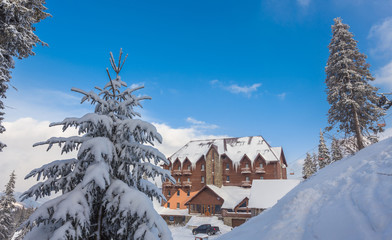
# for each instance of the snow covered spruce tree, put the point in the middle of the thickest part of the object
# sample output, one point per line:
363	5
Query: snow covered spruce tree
7	206
104	195
336	151
309	167
353	100
323	154
17	38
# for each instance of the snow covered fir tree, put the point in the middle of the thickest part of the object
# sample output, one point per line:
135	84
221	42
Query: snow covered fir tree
17	39
7	206
323	154
353	100
104	193
336	151
309	167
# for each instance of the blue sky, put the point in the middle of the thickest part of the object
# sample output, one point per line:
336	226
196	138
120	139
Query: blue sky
221	68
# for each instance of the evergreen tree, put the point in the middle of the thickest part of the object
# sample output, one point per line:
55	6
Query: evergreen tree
353	100
104	193
7	205
315	163
336	151
323	154
17	39
309	168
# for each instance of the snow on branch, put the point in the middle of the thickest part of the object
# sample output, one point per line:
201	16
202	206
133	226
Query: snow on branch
70	143
123	202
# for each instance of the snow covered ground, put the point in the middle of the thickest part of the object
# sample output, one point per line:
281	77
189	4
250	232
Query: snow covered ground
185	232
349	199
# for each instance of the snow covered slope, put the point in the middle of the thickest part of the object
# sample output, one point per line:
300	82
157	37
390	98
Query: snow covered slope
349	199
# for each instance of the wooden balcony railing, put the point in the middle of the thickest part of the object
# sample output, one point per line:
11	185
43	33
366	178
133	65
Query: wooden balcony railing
187	184
260	170
246	184
186	172
177	172
245	170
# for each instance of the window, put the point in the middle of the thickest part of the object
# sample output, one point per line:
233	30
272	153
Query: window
178	192
227	166
202	179
246	165
178	180
168	205
179	167
188	193
168	193
171	218
202	167
189	167
261	177
178	205
188	179
247	178
170	168
261	165
227	178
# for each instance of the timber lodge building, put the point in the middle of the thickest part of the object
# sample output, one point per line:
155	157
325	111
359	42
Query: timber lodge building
214	177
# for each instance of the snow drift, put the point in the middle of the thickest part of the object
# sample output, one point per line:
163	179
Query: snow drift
349	199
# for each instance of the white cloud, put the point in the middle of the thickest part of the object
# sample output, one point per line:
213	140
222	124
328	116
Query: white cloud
303	3
200	124
19	155
382	33
282	96
236	89
384	76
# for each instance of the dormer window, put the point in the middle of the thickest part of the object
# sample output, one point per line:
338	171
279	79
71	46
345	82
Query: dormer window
202	167
246	165
227	166
179	167
202	179
189	167
261	165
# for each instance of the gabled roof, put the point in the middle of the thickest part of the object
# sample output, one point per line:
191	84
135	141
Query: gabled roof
231	195
234	148
266	193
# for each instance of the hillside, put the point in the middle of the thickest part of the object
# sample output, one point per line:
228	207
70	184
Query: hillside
349	199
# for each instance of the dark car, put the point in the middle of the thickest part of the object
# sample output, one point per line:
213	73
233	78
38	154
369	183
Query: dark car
206	228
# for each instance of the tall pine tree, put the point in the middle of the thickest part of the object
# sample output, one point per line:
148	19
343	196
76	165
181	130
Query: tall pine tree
7	206
104	195
353	100
17	39
323	154
309	167
336	151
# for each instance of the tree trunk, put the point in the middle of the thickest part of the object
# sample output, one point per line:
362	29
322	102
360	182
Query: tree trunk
358	133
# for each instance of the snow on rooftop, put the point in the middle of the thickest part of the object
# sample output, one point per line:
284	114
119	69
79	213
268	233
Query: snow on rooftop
349	199
234	148
231	195
266	193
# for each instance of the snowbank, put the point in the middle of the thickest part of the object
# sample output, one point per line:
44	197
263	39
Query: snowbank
349	199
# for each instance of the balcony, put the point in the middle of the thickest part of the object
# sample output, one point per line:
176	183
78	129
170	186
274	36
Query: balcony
186	172
167	184
178	184
245	170
246	184
260	170
187	184
176	172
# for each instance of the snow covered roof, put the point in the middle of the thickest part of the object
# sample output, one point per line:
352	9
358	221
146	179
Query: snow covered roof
172	212
348	199
266	193
234	148
231	195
